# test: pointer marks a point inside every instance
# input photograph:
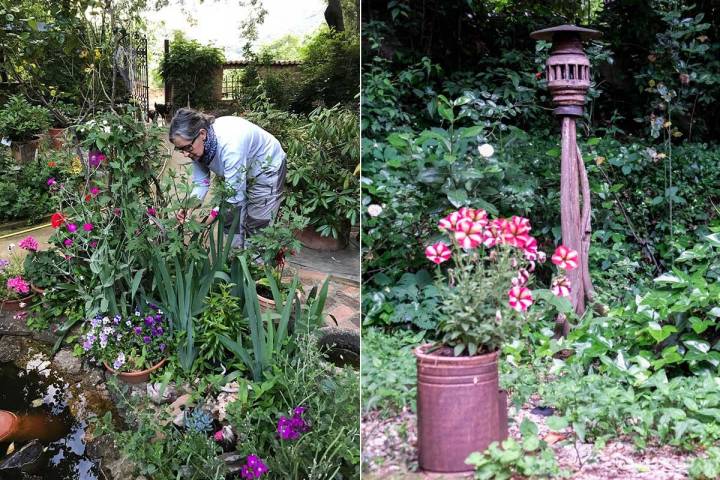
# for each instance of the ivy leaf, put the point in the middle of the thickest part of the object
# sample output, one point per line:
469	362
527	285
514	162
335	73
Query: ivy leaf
457	198
557	423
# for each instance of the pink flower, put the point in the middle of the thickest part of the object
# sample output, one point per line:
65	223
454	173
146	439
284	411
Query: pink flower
28	243
68	242
218	436
18	284
92	244
94	191
492	235
516	231
438	253
88	227
530	248
72	227
522	278
151	211
561	287
214	212
565	258
449	222
51	182
480	216
520	298
117	212
468	233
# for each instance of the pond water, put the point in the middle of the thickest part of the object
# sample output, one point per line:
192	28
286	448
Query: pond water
40	400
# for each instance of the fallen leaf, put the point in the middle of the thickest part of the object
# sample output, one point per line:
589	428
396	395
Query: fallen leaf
554	437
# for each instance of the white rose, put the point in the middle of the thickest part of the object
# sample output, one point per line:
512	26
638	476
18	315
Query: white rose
486	150
374	210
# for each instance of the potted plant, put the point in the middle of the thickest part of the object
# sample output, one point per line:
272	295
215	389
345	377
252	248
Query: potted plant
269	248
15	290
41	266
323	177
63	115
484	299
132	347
22	122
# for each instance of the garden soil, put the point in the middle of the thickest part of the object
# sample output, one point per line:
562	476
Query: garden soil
389	452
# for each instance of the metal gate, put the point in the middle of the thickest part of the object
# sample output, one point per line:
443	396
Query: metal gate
132	64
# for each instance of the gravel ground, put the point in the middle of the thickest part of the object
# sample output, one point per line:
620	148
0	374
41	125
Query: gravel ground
388	452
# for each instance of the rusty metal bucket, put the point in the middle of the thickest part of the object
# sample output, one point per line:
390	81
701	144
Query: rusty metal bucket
458	409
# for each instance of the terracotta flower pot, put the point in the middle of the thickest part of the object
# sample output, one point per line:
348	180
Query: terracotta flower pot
25	152
14	305
8	424
458	408
312	239
135	376
266	304
56	134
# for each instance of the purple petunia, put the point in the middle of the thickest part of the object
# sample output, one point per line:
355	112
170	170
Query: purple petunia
137	330
147	339
253	468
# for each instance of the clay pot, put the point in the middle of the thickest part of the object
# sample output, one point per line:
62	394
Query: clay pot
312	239
136	376
14	305
25	152
458	409
37	290
8	424
266	304
56	134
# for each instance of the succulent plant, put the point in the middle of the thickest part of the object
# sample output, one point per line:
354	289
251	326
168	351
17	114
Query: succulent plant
199	420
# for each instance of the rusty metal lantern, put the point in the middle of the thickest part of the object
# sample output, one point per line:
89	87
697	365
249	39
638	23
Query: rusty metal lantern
568	79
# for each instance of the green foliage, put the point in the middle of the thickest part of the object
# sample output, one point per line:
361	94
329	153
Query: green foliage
413	300
20	121
277	241
164	452
187	68
41	268
331	448
322	158
388	372
24	192
330	70
222	316
706	468
532	458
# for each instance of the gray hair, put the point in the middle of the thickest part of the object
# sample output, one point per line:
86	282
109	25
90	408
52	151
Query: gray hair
187	123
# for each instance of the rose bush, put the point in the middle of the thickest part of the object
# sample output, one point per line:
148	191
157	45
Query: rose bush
486	294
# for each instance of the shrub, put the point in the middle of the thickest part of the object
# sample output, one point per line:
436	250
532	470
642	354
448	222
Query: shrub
188	68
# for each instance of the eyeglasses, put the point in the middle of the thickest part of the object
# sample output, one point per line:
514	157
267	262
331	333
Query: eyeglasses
188	148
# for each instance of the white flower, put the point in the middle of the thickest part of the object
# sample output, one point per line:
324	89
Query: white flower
10	247
22	304
486	150
106	129
374	210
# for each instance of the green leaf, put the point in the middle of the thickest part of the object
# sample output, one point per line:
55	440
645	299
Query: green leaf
528	428
458	198
556	423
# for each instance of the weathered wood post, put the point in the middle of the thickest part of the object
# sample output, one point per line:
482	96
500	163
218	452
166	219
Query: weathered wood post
568	79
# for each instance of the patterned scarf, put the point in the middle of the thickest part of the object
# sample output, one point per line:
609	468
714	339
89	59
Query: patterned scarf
210	145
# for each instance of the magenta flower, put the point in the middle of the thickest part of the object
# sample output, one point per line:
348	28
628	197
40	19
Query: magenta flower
291	428
94	191
72	227
51	182
18	284
253	468
68	242
151	211
95	159
117	212
28	243
214	212
88	227
218	436
92	244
